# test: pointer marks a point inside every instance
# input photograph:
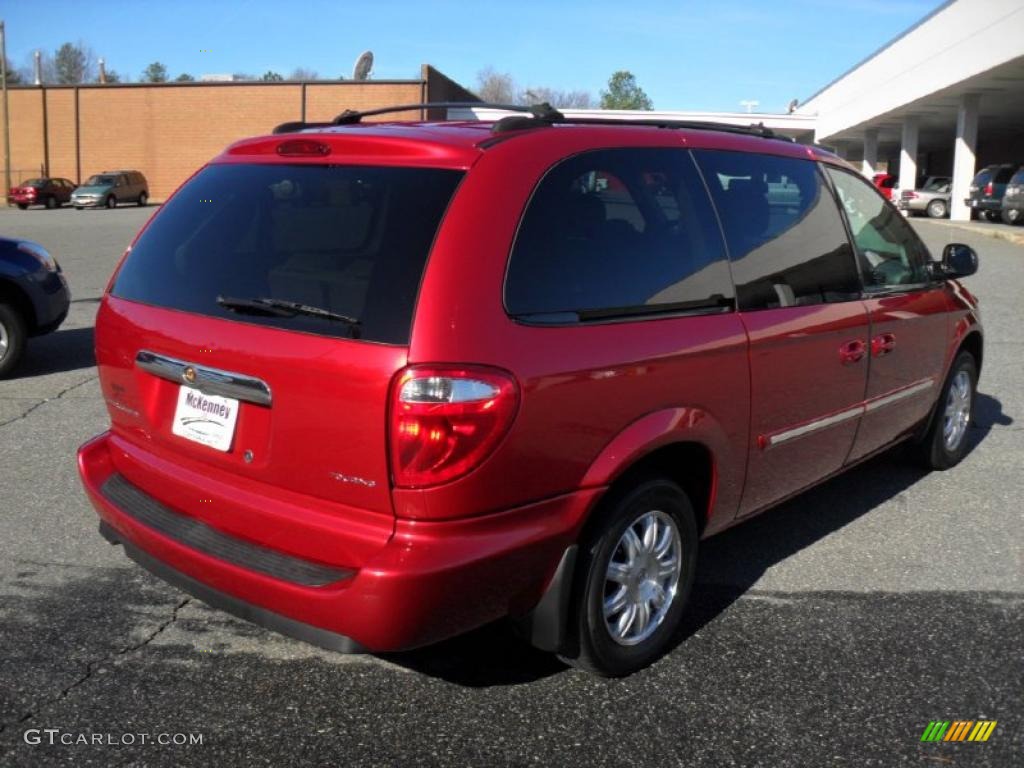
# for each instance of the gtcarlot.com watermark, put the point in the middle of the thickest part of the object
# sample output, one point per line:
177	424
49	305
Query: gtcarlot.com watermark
56	736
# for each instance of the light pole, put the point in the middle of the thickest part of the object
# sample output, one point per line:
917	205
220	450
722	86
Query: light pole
7	116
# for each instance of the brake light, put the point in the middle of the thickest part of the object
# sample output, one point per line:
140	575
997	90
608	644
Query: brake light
303	147
989	188
446	421
910	195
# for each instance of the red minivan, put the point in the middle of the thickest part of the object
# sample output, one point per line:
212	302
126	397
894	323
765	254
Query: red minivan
374	385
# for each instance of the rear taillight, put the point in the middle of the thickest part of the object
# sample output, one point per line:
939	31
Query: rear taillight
910	195
446	421
989	188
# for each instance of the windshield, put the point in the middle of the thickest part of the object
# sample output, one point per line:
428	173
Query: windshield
99	181
35	183
318	249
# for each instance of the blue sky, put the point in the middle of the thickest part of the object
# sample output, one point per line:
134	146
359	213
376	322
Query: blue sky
689	54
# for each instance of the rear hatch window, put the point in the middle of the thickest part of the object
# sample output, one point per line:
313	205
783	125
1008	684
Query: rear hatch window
329	250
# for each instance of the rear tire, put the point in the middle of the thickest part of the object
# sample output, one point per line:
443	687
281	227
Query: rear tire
991	216
937	209
1011	216
12	339
945	442
625	578
111	202
51	203
23	206
143	199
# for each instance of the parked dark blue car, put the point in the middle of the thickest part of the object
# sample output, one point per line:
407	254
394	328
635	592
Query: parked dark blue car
34	297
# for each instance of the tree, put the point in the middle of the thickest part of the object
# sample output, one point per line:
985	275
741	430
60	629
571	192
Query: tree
184	77
624	93
557	98
155	73
243	76
13	75
301	73
72	64
496	87
112	76
272	77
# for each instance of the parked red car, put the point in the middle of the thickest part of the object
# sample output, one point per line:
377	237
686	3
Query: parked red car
52	193
886	184
373	385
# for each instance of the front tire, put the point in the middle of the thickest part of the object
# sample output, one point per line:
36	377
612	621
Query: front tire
937	209
945	443
12	339
1011	216
111	202
51	203
634	579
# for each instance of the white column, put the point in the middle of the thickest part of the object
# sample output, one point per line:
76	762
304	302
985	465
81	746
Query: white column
867	166
908	154
963	156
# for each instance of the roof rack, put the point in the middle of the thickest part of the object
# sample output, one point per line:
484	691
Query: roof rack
532	112
536	116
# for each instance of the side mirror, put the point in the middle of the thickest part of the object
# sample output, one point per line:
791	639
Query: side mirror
959	260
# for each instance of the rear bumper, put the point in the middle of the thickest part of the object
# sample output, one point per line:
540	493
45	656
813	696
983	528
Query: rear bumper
429	581
984	203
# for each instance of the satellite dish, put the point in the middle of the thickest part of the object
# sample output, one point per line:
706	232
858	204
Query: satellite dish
793	105
363	67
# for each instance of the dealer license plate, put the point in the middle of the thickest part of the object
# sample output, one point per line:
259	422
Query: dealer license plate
206	419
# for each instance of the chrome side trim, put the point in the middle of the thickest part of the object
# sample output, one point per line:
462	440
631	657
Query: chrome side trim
899	394
813	426
770	441
212	381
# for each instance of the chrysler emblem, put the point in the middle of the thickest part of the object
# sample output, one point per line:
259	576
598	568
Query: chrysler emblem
189	374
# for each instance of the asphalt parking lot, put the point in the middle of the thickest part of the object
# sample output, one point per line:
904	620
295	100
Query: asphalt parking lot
827	632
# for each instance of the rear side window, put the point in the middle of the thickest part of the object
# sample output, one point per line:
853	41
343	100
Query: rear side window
786	238
617	233
1018	178
347	241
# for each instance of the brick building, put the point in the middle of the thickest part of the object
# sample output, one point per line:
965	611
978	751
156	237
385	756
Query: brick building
167	130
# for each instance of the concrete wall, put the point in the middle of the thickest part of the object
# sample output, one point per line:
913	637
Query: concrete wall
168	130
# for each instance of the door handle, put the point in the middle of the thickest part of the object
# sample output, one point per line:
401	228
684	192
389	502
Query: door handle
852	351
883	344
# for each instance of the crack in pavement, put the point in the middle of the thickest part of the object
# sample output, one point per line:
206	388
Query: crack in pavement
43	402
92	666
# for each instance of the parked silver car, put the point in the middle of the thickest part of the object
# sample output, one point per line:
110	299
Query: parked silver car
931	198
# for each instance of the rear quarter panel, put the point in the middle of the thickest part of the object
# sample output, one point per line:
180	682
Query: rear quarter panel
582	388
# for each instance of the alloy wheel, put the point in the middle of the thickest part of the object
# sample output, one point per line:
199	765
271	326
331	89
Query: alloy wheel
642	578
958	410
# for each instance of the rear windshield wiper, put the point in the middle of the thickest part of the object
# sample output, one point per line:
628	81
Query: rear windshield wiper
283	308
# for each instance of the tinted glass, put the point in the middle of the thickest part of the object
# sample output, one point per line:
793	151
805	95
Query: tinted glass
349	240
785	235
99	181
618	232
1018	177
889	252
1003	174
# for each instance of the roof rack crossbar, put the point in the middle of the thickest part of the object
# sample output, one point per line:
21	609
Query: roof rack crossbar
535	116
